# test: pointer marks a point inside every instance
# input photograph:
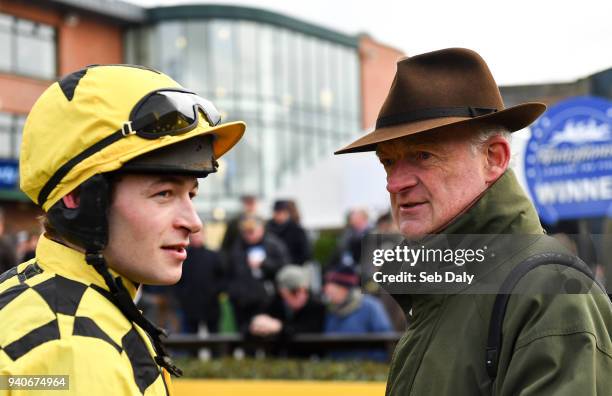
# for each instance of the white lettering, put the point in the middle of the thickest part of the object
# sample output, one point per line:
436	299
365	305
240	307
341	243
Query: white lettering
575	191
377	259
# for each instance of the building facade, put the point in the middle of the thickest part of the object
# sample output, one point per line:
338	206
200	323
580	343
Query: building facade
39	42
378	65
295	84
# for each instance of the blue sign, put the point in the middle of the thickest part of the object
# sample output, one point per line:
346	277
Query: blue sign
9	174
568	160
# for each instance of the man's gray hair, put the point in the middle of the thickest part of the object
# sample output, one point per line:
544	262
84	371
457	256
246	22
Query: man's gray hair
487	132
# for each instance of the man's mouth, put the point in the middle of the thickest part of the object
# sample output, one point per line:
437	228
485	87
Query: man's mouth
174	247
178	250
411	205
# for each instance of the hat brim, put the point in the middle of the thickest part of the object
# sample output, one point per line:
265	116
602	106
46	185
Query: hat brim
513	119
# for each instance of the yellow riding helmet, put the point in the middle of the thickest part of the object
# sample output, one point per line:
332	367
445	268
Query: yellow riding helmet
82	125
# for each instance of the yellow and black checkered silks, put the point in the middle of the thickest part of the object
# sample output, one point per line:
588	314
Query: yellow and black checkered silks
81	110
57	320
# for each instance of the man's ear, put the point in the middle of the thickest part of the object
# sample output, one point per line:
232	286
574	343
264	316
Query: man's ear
71	200
497	158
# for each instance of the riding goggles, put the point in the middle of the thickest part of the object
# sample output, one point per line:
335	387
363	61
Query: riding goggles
170	111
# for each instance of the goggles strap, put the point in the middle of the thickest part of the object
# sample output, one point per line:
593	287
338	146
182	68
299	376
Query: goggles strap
120	297
64	169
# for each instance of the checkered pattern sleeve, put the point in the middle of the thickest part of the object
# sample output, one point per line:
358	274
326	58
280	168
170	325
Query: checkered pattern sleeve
53	325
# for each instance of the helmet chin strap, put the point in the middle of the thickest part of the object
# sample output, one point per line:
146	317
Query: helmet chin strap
87	226
121	298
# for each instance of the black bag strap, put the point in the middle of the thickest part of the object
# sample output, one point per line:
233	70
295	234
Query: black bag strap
494	339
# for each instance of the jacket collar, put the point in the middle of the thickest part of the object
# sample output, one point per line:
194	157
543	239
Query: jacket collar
70	263
501	209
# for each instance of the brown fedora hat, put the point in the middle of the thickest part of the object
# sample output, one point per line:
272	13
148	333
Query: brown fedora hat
441	90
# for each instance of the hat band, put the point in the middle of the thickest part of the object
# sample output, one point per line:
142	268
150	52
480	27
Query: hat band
435	112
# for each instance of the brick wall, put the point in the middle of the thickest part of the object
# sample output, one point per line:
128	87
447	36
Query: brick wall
378	66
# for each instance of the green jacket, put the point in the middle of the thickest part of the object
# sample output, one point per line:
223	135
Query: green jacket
553	343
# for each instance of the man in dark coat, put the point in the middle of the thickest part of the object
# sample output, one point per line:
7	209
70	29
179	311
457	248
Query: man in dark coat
294	310
252	264
232	232
291	233
348	251
8	257
201	282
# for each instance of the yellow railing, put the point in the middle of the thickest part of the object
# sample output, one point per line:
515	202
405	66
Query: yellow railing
188	387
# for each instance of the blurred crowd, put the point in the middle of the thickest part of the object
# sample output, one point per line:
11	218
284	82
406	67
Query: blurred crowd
18	247
264	282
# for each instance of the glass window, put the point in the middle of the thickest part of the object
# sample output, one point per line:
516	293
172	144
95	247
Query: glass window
172	48
298	94
138	46
6	44
269	109
6	21
353	84
28	47
5	135
197	69
266	62
45	31
250	160
222	42
248	70
309	80
18	134
11	126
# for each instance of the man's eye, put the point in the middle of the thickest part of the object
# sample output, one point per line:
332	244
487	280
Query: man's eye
386	162
164	194
423	155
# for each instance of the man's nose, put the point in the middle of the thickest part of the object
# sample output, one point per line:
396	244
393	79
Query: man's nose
188	218
401	177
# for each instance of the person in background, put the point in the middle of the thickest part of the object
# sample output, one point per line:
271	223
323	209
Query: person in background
385	224
8	257
26	246
293	310
294	213
289	232
232	232
348	252
159	305
352	312
252	265
201	282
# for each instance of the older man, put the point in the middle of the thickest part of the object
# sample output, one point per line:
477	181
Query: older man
442	136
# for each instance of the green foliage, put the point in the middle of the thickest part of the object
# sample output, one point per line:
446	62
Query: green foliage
292	369
325	245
